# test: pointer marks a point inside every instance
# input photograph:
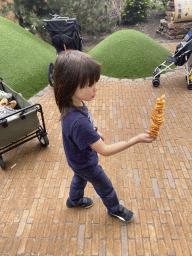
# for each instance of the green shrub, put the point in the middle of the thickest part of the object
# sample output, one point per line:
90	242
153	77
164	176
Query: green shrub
134	11
165	3
94	16
159	6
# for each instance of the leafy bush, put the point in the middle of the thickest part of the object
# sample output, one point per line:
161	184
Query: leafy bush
159	6
134	11
94	16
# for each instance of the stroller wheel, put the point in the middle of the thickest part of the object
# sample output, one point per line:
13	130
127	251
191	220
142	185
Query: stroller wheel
189	86
44	141
2	164
156	82
50	71
81	45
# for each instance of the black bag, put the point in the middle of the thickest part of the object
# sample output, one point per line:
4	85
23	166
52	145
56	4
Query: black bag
64	32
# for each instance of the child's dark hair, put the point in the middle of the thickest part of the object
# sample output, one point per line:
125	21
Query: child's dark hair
72	69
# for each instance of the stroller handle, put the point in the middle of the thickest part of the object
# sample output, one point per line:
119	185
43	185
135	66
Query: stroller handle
57	17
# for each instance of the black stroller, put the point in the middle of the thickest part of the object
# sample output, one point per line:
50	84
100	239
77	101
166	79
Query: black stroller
182	56
65	35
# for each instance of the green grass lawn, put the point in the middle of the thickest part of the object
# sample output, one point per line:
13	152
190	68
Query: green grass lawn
24	59
129	54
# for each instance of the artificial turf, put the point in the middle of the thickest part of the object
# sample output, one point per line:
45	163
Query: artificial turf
129	54
24	59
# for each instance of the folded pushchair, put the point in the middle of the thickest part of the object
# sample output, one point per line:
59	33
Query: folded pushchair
65	35
182	56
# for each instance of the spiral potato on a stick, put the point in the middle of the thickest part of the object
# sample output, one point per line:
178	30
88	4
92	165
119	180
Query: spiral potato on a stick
157	117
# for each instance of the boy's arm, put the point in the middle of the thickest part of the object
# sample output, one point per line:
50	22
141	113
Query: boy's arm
108	150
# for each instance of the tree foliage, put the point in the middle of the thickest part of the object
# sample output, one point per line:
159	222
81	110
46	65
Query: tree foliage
134	11
93	15
24	10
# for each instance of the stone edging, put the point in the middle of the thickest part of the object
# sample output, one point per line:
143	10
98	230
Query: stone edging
41	93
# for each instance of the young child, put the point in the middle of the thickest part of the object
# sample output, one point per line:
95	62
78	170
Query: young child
75	81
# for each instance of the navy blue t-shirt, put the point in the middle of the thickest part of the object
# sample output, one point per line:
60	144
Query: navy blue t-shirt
78	134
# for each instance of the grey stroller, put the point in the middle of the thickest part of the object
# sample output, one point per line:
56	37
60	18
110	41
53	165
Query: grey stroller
182	56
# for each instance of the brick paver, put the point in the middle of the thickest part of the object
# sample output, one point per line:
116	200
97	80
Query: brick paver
154	180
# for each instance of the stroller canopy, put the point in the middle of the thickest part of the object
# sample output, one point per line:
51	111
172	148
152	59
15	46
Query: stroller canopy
182	54
64	31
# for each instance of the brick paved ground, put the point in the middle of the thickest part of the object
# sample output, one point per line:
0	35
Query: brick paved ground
154	180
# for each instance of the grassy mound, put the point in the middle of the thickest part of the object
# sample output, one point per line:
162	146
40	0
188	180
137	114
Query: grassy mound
129	54
24	59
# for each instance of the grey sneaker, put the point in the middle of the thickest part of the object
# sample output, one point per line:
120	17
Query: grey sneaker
123	214
83	202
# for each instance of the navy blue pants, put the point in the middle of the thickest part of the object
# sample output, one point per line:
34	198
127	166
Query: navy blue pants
101	183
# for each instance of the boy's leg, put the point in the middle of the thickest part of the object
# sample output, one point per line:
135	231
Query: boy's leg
105	190
102	186
76	189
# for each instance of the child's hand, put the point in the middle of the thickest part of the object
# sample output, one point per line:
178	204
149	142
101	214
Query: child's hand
145	137
101	135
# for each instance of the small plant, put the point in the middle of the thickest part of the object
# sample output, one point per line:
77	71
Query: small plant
159	6
134	11
165	3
